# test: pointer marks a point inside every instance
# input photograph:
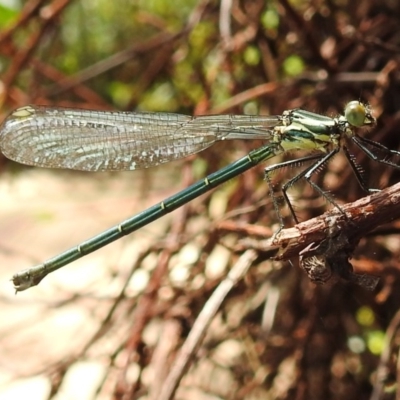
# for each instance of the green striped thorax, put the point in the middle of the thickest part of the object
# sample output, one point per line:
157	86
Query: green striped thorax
304	130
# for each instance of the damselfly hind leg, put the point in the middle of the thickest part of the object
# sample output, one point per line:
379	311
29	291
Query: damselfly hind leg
306	174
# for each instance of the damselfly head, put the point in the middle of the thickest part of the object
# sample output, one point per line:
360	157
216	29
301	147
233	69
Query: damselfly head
358	114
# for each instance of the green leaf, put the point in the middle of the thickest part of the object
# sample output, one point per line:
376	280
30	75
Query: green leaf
293	65
7	16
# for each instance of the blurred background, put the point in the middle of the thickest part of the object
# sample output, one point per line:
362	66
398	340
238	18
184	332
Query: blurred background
110	325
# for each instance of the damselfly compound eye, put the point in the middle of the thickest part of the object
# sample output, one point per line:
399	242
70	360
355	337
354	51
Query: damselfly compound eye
356	113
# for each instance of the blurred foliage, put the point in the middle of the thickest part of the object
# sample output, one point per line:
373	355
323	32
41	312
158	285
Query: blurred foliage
7	16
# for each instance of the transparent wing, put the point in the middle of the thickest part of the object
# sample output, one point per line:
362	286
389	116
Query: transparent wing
100	141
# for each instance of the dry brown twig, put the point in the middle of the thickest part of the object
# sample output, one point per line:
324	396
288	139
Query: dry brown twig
193	341
331	238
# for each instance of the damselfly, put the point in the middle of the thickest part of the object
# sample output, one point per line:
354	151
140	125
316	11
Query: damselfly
105	141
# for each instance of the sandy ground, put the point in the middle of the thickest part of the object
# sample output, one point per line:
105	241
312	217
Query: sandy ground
43	213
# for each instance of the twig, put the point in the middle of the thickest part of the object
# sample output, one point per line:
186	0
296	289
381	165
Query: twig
384	366
334	235
362	216
203	321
